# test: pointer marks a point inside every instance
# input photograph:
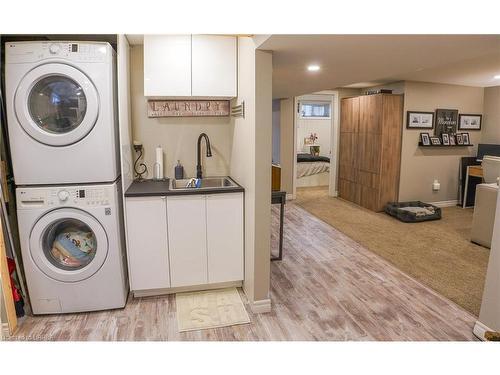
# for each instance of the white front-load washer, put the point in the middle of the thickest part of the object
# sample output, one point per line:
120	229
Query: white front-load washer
72	246
61	112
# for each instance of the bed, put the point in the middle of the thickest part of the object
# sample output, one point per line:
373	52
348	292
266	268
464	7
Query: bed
312	170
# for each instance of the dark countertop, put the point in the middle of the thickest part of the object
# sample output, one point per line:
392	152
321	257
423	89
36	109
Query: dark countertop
152	188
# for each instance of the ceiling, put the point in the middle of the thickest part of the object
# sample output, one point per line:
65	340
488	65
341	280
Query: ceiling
365	60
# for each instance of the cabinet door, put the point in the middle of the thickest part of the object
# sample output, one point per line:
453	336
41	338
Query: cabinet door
214	66
349	112
187	239
370	111
348	149
167	65
225	237
147	243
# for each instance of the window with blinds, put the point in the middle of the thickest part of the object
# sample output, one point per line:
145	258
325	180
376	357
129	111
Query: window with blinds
315	110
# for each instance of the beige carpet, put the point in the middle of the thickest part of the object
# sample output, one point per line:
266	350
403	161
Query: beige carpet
437	253
210	309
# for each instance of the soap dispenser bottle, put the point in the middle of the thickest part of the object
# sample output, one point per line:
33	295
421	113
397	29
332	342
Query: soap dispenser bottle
179	171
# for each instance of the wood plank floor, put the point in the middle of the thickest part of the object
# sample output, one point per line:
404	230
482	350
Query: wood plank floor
327	287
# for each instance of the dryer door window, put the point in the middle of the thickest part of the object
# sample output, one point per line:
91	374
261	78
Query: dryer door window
56	104
68	244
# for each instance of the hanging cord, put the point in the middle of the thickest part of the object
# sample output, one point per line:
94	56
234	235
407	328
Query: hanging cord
144	168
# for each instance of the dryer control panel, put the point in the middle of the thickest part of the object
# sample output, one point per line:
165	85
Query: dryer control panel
24	52
81	196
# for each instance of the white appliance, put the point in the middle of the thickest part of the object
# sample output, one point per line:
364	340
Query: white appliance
71	244
61	112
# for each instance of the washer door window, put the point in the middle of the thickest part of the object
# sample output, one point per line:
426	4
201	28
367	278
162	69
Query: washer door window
68	245
56	104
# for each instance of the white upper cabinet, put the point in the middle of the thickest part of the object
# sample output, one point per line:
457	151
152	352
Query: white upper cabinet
167	65
185	66
214	66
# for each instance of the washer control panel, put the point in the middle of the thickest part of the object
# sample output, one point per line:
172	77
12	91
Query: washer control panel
21	52
64	196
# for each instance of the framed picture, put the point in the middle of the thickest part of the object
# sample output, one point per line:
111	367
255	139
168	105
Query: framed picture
465	138
453	141
460	140
469	122
419	120
425	139
446	121
446	139
436	141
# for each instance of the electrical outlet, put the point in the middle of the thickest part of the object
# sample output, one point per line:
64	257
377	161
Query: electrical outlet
436	185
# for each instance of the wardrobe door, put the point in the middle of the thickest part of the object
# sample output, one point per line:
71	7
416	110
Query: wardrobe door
392	115
348	148
370	114
369	150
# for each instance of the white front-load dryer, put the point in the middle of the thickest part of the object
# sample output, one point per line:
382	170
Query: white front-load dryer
61	112
72	245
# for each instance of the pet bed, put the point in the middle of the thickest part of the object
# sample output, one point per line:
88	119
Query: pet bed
413	212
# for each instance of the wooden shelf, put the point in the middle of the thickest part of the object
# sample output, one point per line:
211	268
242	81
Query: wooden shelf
450	146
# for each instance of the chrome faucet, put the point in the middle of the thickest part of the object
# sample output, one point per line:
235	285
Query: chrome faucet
198	154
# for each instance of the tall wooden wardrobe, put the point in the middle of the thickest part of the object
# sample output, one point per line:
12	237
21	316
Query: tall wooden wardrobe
370	149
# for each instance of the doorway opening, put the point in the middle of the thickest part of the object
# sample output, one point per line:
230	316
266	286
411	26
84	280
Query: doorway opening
315	143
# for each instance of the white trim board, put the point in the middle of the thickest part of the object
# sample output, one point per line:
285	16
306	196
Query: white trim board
4	331
480	329
260	307
333	97
445	203
181	289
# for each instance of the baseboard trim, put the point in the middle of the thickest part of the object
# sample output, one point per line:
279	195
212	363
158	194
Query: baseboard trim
445	203
194	288
290	197
260	307
480	329
4	331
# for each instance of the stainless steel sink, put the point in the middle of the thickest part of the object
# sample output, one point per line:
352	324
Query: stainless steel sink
206	184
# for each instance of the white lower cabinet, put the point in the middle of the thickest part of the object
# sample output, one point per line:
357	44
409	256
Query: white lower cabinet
147	243
225	237
187	240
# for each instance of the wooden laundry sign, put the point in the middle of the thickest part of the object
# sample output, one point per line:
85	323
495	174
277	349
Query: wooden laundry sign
188	108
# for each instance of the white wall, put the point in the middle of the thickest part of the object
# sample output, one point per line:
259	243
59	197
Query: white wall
276	130
287	157
396	87
124	111
263	151
491	116
489	314
419	167
251	166
177	136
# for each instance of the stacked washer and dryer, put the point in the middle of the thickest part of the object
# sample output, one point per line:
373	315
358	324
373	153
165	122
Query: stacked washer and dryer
63	136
